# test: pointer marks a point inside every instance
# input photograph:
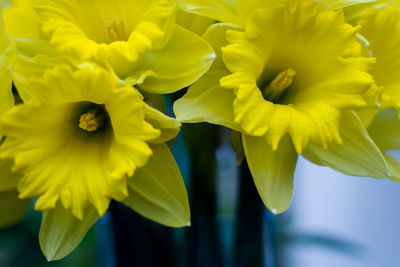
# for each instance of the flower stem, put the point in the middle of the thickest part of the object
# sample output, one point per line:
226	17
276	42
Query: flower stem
139	241
248	243
203	237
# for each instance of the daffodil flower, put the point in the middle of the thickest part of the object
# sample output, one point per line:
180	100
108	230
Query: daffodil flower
82	139
138	40
287	77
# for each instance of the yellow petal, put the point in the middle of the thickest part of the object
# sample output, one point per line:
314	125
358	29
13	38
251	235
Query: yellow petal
7	56
205	100
12	209
6	96
272	170
357	155
168	126
334	4
28	27
394	166
367	115
157	191
385	130
355	12
239	11
8	179
220	10
193	22
34	58
181	62
246	7
36	47
60	232
27	68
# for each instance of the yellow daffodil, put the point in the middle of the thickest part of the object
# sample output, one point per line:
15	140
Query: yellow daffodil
286	78
82	139
138	40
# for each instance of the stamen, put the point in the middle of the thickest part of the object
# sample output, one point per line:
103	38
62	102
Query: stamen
93	117
88	122
115	31
278	85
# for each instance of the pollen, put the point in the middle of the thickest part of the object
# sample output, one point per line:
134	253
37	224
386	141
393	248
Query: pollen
278	85
88	122
115	31
92	117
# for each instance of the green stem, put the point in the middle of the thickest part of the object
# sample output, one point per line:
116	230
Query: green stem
248	243
202	238
139	241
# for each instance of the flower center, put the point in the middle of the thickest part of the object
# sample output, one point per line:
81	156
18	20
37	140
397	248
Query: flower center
115	31
94	117
88	122
274	90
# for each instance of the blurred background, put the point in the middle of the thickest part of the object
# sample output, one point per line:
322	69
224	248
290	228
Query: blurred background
334	220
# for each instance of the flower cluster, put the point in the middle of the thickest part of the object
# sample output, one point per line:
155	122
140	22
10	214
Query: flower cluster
288	77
